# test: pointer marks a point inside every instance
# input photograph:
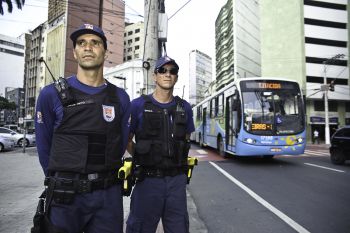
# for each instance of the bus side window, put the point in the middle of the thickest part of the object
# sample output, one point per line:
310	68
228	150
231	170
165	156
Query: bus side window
221	105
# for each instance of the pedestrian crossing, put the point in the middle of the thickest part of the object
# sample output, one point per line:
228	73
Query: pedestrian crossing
318	153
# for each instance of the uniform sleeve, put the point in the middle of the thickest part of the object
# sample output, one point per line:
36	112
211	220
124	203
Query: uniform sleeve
44	124
136	114
190	124
125	124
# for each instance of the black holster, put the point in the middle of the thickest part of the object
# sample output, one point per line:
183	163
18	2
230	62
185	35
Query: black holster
41	220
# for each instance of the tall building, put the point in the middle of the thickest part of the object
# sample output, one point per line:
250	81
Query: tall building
133	41
200	75
12	62
65	16
14	95
34	79
308	41
237	30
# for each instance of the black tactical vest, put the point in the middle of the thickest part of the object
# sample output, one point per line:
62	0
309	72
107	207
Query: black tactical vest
161	141
88	140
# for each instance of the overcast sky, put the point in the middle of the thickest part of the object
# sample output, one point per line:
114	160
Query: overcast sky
193	27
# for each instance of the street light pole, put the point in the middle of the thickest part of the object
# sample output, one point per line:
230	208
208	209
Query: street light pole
325	88
326	118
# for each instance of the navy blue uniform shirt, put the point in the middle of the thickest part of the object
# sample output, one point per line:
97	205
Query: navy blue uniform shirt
49	113
137	108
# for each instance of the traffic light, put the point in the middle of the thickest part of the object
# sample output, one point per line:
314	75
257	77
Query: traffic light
331	86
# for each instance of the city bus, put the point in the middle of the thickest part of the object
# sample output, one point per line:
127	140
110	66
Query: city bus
253	117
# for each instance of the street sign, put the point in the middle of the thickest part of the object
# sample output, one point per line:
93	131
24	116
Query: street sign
20	120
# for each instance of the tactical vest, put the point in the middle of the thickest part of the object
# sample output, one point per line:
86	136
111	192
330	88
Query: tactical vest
161	140
88	140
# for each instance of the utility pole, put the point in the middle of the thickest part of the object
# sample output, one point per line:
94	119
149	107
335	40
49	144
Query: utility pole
151	50
325	88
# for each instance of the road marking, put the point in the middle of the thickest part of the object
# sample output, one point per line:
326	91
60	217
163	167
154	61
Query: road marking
311	152
274	210
202	152
332	169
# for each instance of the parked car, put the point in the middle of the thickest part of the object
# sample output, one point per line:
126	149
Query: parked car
6	143
340	145
18	137
13	127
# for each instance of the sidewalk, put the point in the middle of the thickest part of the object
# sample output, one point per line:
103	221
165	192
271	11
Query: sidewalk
21	183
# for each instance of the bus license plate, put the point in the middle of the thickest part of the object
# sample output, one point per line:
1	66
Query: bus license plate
275	149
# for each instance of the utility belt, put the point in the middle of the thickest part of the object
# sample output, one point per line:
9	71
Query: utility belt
159	172
65	185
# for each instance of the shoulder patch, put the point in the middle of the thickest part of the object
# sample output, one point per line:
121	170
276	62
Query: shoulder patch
39	117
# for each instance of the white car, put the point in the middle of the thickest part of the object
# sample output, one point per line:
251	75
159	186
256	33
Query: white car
6	143
18	137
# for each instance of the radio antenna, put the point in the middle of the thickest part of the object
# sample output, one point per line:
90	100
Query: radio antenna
41	59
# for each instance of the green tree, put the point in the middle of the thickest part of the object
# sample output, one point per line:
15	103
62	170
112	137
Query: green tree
19	4
5	104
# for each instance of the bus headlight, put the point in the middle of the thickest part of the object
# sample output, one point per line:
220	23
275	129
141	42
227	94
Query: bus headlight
299	140
250	140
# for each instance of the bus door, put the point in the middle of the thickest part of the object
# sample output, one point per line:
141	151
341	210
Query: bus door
204	134
231	118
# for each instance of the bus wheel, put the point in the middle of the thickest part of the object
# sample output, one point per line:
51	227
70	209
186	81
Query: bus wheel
268	156
220	146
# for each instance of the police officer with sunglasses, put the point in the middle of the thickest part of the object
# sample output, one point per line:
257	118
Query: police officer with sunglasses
162	124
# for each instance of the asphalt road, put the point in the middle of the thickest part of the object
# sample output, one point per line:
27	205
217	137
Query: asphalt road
282	195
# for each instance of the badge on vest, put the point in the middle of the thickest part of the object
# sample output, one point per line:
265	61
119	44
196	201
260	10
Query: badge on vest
108	113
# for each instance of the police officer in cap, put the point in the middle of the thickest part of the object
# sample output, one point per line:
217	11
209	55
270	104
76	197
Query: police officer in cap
162	124
81	130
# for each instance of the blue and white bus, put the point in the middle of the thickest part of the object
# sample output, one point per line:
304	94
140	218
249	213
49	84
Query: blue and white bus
253	117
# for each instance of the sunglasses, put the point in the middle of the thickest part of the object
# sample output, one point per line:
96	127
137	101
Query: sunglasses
162	70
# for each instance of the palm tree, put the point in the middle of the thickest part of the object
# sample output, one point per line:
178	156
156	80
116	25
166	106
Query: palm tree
19	4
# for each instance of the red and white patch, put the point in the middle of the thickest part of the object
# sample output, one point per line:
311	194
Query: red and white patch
108	113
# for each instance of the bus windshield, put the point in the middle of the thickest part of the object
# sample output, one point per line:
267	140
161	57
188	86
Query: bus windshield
273	111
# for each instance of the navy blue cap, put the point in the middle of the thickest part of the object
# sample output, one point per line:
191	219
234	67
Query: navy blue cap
89	29
165	60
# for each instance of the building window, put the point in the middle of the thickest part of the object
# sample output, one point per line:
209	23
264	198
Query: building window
130	33
137	30
137	47
332	106
137	39
319	105
347	107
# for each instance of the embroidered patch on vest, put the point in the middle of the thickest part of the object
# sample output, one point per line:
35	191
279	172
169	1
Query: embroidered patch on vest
108	113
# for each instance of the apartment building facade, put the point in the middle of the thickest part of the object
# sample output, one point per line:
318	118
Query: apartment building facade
66	16
308	41
237	39
133	41
200	75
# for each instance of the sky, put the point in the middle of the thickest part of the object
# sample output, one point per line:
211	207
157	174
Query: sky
192	27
